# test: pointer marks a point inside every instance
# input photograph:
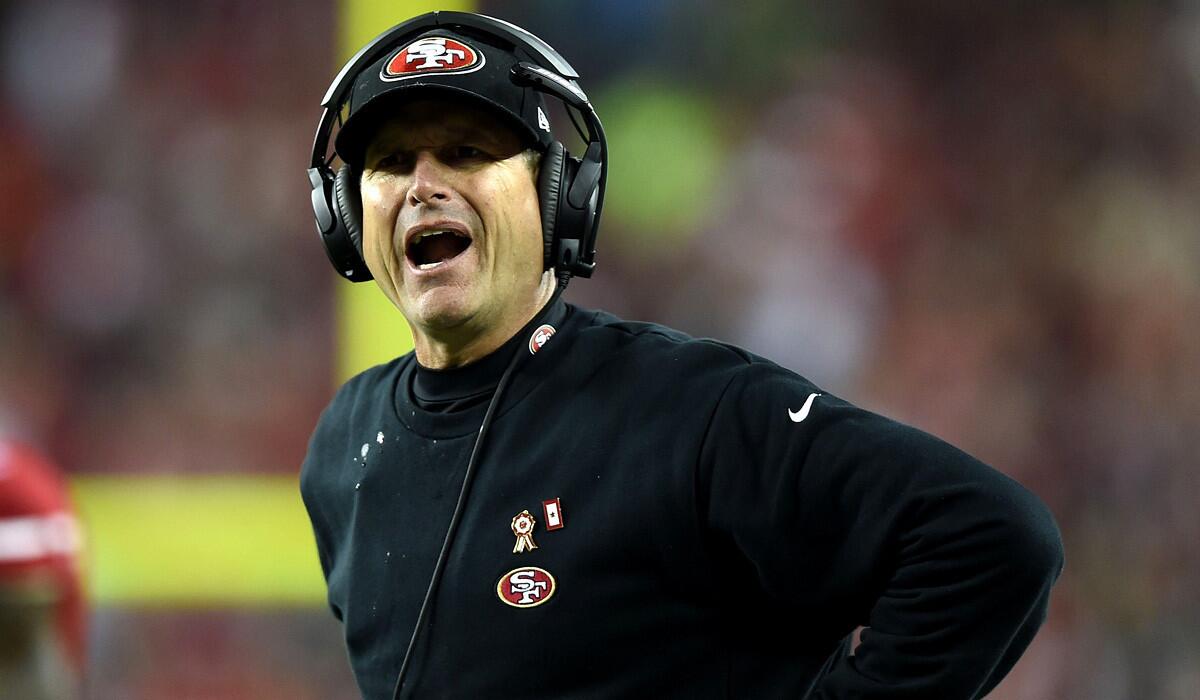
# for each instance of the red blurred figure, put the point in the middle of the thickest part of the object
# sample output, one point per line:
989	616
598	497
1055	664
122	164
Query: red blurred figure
42	607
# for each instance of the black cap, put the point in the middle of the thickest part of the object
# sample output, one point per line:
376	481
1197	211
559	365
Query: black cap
450	63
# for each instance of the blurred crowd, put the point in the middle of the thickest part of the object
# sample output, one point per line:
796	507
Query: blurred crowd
162	308
981	220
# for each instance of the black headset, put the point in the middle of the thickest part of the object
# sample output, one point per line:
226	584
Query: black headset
570	189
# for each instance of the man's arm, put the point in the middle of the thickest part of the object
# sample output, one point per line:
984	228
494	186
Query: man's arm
858	520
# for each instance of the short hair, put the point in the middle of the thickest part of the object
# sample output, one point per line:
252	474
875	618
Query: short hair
533	158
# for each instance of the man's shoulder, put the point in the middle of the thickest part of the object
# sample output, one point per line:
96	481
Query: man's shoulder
669	352
364	399
373	381
649	337
367	392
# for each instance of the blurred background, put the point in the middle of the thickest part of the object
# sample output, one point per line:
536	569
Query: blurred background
980	220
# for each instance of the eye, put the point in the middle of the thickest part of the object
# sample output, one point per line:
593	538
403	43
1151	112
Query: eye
389	161
464	153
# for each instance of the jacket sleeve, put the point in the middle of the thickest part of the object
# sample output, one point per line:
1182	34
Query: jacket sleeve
848	518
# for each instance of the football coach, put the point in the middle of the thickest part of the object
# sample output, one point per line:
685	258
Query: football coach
546	501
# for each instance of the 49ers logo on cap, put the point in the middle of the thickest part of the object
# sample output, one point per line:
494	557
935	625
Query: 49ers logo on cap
526	587
432	54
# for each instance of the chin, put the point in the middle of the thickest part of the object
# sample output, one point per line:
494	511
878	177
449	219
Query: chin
442	309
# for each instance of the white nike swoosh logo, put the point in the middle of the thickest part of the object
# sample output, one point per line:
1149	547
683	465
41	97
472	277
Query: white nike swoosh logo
800	415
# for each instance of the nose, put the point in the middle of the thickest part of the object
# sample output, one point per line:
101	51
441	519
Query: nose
428	185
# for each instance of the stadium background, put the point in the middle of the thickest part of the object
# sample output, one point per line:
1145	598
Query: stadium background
981	220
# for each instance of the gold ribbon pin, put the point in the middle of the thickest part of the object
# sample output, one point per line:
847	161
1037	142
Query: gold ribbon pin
522	527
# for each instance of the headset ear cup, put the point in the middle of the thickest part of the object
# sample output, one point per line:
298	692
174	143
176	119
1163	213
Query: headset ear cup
550	192
349	205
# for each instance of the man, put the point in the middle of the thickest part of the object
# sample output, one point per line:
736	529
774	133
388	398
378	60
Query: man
41	599
550	501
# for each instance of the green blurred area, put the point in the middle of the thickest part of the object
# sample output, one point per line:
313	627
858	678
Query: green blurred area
665	158
235	539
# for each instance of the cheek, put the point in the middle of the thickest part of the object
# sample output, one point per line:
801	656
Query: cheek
379	215
532	223
517	205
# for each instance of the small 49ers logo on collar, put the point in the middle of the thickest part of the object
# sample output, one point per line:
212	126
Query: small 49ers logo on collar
526	587
540	337
432	54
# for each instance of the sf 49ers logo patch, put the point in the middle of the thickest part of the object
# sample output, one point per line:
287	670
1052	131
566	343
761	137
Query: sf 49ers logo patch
526	587
540	337
432	54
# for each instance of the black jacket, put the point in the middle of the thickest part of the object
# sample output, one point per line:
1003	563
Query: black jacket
722	536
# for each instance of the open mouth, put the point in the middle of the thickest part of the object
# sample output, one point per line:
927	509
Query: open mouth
435	247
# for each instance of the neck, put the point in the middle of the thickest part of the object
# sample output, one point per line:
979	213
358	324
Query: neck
461	346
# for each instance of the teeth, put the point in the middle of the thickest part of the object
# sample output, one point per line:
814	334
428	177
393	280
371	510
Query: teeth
425	234
420	237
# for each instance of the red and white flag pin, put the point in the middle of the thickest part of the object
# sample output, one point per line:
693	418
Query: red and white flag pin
554	515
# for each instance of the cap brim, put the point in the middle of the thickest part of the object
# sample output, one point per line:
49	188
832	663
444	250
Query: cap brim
355	135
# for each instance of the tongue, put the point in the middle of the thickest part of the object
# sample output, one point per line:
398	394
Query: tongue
442	247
